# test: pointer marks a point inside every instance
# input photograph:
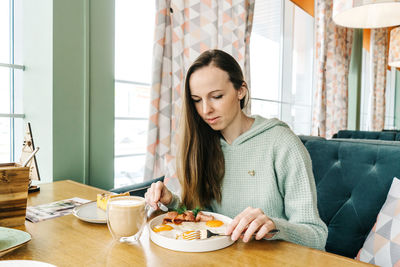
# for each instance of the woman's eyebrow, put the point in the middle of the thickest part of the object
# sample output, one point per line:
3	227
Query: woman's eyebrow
214	91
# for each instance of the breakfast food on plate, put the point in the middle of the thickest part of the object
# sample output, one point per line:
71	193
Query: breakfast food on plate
162	227
214	223
191	235
188	224
103	198
186	216
201	217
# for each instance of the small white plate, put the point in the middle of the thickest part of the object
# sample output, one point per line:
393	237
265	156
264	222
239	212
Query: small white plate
25	263
11	239
89	212
204	245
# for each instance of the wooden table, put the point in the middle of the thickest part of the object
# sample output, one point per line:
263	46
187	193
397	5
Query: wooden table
68	241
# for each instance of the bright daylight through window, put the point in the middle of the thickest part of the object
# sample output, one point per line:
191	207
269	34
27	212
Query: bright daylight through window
10	93
390	92
281	58
133	58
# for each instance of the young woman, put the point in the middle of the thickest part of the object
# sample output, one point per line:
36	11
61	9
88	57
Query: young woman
252	169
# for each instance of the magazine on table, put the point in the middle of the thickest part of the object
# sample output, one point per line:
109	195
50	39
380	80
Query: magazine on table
54	209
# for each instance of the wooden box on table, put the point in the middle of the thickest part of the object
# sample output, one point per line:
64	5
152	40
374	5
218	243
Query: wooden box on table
14	184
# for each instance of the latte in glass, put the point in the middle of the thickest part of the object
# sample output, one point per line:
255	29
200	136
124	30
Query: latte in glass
126	217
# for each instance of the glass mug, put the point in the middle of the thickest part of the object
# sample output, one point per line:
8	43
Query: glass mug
126	217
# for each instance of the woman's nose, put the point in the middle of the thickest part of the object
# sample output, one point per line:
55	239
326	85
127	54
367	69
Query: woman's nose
206	107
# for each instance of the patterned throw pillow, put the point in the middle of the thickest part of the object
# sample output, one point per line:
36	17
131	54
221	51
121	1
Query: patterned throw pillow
382	246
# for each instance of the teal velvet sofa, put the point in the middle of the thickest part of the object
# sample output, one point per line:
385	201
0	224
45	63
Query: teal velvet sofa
137	189
389	135
352	178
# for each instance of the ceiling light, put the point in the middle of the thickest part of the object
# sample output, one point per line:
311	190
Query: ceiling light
366	13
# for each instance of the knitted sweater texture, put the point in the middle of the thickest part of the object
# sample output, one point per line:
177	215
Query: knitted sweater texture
269	168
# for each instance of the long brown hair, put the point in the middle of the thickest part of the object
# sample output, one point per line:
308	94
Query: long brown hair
200	160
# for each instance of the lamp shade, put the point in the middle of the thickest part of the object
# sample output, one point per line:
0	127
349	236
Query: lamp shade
366	13
394	48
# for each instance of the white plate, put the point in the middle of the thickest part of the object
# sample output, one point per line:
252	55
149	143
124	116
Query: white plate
204	245
25	263
89	212
11	239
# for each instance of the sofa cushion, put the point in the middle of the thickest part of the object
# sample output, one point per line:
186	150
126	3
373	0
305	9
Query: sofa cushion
366	135
368	141
382	246
352	180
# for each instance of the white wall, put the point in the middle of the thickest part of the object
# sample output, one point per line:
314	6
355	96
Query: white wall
35	20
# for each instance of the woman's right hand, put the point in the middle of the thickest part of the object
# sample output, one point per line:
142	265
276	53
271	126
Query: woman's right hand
158	192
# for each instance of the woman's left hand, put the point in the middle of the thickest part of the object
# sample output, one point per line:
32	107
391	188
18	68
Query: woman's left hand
248	222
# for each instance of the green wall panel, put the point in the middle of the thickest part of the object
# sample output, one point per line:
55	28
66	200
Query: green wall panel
68	84
101	136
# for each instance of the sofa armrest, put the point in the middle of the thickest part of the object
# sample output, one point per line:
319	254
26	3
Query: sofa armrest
137	189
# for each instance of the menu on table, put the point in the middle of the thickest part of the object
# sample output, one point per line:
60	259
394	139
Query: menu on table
54	209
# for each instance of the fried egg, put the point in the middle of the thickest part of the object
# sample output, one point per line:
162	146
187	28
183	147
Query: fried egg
214	223
162	227
175	231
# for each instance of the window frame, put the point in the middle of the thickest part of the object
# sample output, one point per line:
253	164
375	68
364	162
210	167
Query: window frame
131	118
286	67
390	93
136	85
12	67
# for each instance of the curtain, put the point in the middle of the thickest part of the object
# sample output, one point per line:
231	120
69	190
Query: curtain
333	53
378	61
185	29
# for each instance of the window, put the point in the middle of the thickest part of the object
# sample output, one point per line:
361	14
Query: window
281	58
390	99
10	92
365	114
281	74
133	58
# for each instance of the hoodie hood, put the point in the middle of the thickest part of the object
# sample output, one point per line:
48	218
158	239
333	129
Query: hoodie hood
260	125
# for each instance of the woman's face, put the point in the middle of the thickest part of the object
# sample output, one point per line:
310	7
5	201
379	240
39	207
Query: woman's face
216	100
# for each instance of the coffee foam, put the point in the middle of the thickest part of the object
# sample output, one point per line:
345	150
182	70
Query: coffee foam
129	202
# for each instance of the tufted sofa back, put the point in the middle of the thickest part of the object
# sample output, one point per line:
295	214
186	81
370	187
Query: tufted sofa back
385	135
352	178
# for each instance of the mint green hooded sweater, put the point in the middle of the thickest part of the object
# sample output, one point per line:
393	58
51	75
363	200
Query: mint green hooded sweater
269	168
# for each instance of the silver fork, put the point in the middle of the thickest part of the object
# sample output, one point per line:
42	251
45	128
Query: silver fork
207	233
160	205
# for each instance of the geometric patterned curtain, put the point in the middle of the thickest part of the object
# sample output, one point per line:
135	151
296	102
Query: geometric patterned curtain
333	52
378	61
183	30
